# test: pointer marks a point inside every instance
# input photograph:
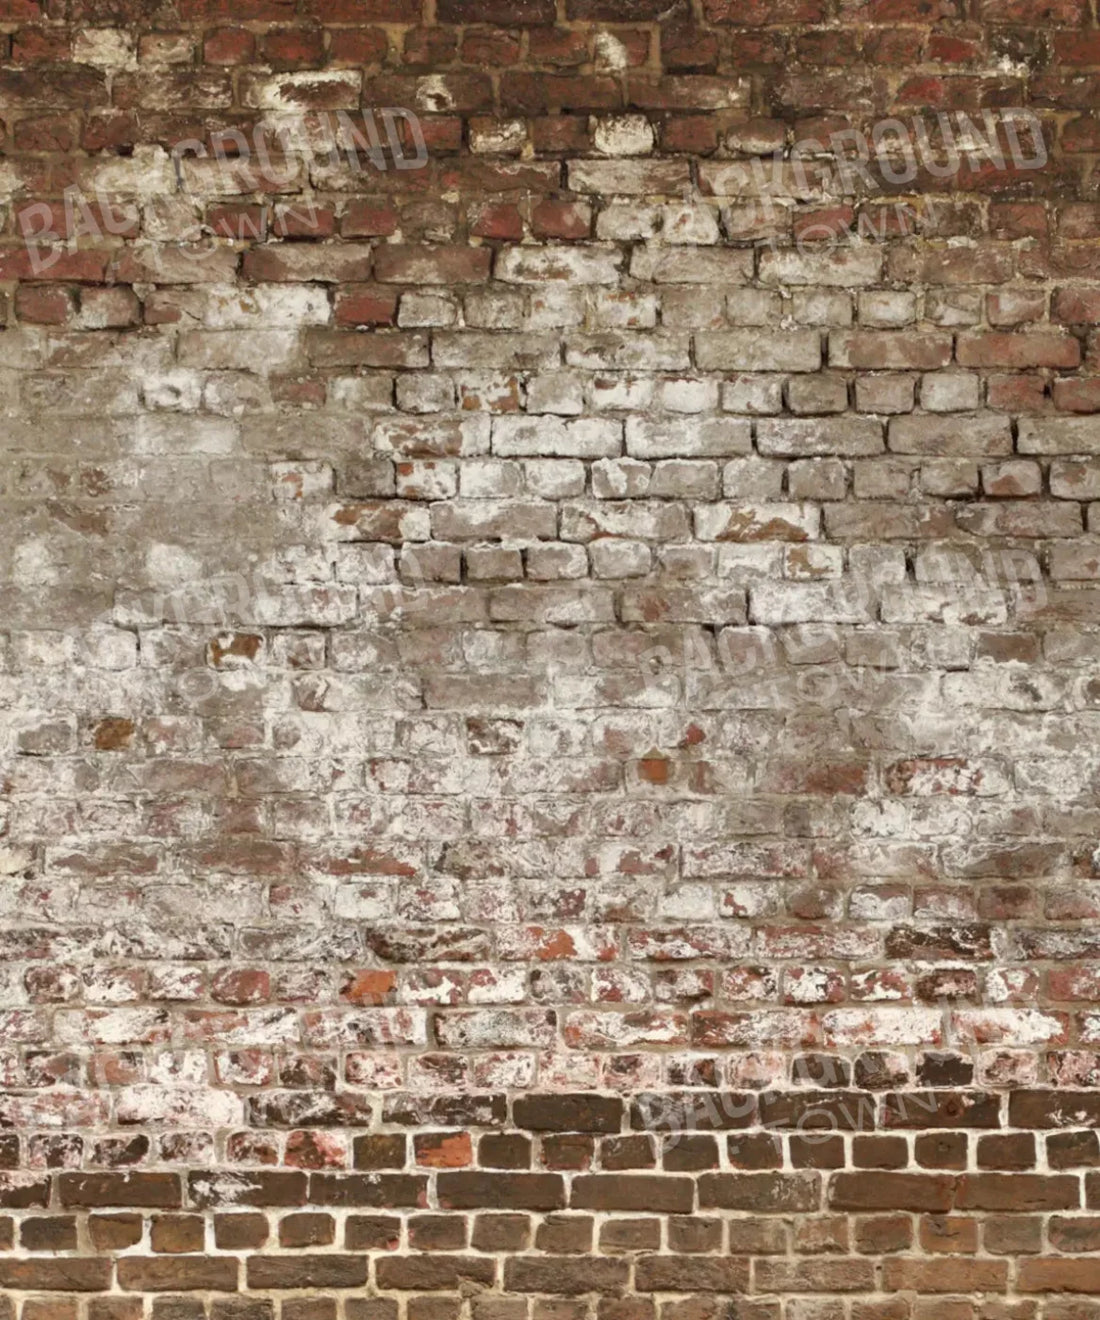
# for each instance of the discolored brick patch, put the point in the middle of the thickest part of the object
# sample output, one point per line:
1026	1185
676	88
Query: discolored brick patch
549	636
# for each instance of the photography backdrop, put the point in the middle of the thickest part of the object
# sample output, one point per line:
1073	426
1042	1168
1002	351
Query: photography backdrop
549	660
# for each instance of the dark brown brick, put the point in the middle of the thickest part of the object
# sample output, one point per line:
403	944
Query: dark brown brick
566	1275
687	1111
568	1113
527	13
504	1150
1017	1191
161	1190
178	1273
115	1308
437	1232
383	1190
931	1193
1054	1109
177	1233
558	1234
755	1150
53	1233
307	1230
691	1274
633	1192
259	1187
308	1308
880	1152
689	1153
239	1232
695	1234
768	1193
508	1191
1011	1151
635	1234
1071	1150
878	1234
934	1109
1012	1234
432	1273
572	1150
115	1232
62	1274
380	1150
306	1271
634	1152
372	1232
816	1150
501	1233
941	1150
845	1111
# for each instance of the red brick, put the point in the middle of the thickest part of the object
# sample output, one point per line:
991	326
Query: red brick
1077	306
1082	396
506	13
1035	13
365	304
358	46
443	1150
229	46
570	220
293	47
1057	1274
40	304
496	221
753	13
1018	350
486	47
396	264
366	219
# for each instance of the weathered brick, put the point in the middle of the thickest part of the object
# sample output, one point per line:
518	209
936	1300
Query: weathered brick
1018	350
1058	435
764	1193
797	438
894	350
798	350
586	647
1053	1109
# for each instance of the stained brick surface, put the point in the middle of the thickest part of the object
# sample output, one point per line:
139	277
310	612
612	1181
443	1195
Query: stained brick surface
550	660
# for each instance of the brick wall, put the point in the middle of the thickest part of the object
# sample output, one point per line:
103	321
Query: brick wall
549	660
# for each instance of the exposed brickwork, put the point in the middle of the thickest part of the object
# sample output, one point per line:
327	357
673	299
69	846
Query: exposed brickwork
551	693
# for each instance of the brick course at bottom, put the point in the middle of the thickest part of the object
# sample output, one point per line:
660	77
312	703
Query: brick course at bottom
863	1204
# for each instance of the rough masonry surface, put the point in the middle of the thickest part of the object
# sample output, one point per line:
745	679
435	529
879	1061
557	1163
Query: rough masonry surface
550	660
